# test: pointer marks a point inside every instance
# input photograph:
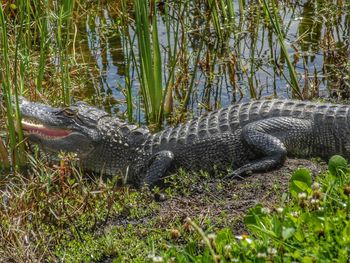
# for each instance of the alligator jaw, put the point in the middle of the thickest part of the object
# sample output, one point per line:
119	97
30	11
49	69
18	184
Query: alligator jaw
40	130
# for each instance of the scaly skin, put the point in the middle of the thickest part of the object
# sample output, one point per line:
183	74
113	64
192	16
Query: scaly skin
247	137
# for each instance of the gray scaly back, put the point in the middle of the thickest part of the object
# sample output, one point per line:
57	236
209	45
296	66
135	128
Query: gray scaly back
246	137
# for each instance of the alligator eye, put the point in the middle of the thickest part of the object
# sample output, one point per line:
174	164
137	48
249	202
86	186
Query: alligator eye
69	112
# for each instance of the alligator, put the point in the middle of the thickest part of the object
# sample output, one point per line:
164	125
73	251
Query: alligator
240	139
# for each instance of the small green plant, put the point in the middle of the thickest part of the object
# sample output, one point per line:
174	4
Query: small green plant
312	224
59	214
337	165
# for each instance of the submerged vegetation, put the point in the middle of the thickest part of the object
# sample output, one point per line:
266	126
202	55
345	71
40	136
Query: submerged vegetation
154	63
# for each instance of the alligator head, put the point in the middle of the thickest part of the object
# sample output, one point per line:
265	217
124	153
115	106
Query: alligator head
104	144
71	129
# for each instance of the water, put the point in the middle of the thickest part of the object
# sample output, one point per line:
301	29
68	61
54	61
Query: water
317	38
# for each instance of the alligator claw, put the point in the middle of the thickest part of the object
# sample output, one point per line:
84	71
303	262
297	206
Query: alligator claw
237	174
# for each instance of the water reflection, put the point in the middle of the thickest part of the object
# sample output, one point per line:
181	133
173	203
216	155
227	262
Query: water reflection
246	63
309	30
101	46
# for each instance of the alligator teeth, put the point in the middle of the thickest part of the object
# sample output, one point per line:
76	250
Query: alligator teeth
42	131
32	124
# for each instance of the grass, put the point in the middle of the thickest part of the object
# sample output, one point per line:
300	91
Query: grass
180	56
274	19
311	223
185	56
150	73
29	59
57	214
13	117
63	40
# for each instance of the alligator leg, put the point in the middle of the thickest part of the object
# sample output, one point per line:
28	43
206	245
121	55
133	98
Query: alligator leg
269	138
156	167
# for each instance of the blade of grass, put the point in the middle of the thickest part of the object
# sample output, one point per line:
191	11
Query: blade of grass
6	89
127	44
43	35
4	157
64	23
157	68
273	18
150	75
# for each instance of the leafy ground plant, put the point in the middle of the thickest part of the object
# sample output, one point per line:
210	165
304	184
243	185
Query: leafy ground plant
57	215
311	225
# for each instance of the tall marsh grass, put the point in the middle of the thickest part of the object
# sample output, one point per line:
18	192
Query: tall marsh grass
222	16
150	72
156	78
7	92
63	40
273	18
26	47
183	55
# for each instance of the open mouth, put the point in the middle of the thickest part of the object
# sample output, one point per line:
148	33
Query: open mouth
30	127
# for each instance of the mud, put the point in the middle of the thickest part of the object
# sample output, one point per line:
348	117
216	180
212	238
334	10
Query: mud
225	203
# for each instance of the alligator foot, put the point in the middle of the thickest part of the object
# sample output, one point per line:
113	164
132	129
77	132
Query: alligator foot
262	165
263	137
235	175
157	166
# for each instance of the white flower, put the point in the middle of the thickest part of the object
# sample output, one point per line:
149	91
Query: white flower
157	259
279	210
302	195
245	238
228	248
261	255
314	201
294	214
265	210
315	186
272	251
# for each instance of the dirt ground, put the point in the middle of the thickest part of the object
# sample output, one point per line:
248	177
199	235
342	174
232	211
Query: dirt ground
225	203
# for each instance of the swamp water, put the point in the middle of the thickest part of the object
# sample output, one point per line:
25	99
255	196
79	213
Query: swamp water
241	62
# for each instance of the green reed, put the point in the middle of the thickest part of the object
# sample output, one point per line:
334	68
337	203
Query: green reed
5	77
274	19
150	74
172	25
42	26
255	27
127	44
215	16
24	43
222	16
63	40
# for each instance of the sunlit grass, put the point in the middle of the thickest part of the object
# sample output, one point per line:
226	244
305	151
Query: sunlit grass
57	212
150	73
26	50
63	40
7	92
60	214
42	26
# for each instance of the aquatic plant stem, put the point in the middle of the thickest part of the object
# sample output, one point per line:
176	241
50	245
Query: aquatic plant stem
274	20
6	90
